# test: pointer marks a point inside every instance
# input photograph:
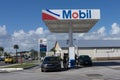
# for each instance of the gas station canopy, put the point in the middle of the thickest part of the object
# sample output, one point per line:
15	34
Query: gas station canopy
80	20
70	21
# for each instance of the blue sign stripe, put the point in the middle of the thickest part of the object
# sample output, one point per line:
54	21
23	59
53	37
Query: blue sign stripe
52	12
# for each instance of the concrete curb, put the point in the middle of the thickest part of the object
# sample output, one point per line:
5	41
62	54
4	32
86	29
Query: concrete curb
2	70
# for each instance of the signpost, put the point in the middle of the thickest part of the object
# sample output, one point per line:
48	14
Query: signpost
42	47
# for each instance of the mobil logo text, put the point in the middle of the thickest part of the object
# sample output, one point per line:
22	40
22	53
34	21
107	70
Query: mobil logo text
76	14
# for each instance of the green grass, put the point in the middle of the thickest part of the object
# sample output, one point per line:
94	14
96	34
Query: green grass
24	65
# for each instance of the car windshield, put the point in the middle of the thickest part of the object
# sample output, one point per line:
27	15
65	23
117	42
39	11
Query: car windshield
51	59
84	57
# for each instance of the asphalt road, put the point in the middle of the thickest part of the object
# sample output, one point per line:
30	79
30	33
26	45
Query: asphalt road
102	70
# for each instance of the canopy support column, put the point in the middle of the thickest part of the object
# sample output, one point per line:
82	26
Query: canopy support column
70	36
71	48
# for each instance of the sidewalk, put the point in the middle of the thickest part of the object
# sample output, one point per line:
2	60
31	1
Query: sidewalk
3	69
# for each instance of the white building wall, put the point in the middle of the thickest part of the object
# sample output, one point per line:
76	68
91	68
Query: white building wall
103	50
99	53
65	50
109	53
89	52
117	50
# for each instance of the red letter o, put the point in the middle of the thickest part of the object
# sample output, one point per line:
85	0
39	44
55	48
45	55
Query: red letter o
75	14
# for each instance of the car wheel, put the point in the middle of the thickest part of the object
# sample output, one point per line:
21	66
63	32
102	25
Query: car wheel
42	70
91	64
60	69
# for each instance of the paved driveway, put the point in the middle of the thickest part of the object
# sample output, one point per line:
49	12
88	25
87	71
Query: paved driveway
102	70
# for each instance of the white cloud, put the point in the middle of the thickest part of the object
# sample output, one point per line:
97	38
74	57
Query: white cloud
19	35
5	39
99	34
29	40
39	30
115	28
114	33
101	31
3	30
31	32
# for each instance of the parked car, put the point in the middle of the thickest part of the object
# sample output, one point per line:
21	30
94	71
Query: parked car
2	58
10	59
84	60
51	63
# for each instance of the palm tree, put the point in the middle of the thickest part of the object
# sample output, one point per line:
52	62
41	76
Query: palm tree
16	47
1	50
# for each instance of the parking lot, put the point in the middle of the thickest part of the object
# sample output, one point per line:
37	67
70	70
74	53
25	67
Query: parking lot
101	70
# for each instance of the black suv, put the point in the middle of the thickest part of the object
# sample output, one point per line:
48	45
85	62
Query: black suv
84	60
51	63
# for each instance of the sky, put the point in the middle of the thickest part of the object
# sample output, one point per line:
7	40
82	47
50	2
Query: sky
21	21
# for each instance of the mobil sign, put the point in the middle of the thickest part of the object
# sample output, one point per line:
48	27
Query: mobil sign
67	14
76	14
